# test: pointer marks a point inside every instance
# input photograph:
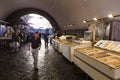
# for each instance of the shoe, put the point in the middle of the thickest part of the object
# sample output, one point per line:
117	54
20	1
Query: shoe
35	66
36	69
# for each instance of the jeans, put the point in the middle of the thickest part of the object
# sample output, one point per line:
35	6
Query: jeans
46	43
35	56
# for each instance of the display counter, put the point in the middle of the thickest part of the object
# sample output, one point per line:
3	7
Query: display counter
53	43
100	62
58	46
69	47
57	43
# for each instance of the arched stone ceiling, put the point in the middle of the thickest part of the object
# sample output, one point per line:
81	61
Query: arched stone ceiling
65	11
15	16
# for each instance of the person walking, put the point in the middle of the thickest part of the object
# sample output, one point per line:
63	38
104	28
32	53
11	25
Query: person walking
46	37
15	44
35	43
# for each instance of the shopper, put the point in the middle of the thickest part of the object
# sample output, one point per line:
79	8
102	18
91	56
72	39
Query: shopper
35	43
15	44
46	37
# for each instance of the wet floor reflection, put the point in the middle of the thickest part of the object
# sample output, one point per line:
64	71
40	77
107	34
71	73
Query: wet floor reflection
52	66
35	75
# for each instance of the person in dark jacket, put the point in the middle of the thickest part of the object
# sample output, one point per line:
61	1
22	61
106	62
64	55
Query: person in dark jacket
46	37
35	43
15	44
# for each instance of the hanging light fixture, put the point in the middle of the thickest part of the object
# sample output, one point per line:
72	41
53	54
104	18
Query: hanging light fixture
68	25
95	19
84	21
71	25
110	16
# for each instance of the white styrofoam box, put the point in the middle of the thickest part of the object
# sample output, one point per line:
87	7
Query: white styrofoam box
111	72
53	43
96	75
68	50
59	46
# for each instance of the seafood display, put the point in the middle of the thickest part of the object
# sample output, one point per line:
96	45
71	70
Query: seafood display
91	50
102	56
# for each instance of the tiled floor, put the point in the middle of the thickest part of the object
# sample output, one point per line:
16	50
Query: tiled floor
52	66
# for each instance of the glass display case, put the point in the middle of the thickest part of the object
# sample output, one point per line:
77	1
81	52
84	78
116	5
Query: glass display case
103	59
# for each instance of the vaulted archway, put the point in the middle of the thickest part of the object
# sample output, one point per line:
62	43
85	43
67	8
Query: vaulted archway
15	16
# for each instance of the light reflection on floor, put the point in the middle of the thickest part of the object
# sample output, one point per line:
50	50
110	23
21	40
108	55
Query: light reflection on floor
52	66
